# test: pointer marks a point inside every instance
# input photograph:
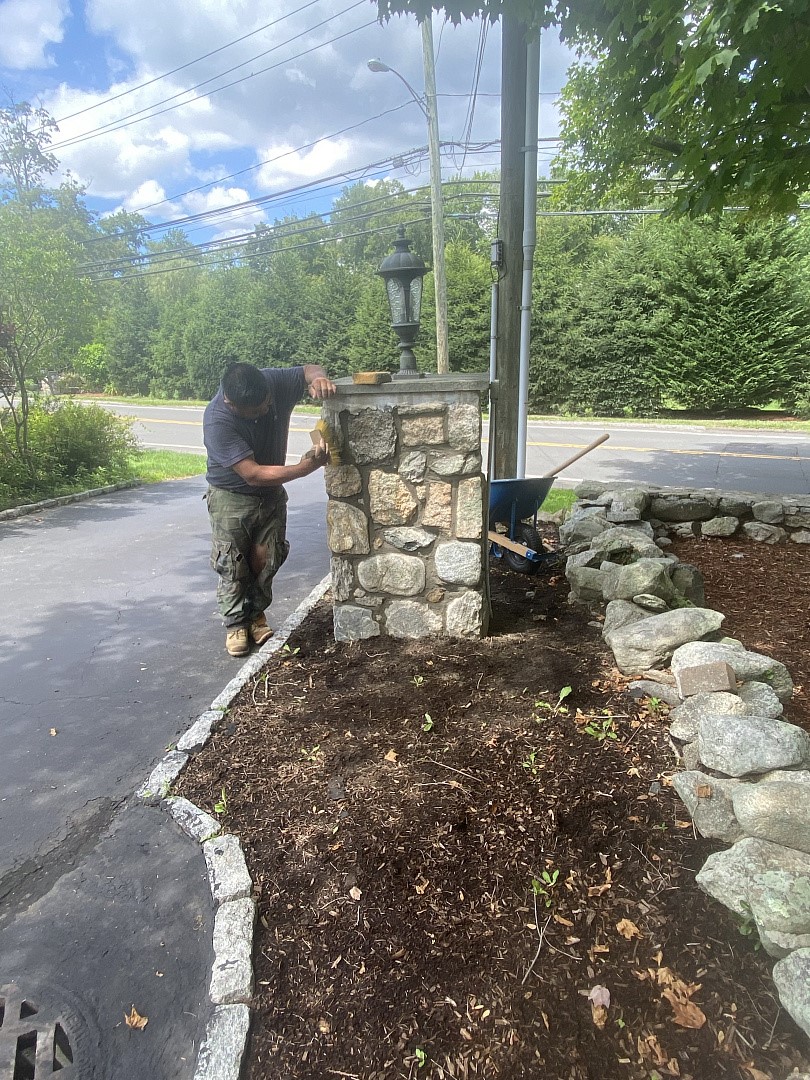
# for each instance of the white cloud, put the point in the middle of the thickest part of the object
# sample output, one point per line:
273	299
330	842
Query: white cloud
28	28
313	115
296	75
286	163
150	191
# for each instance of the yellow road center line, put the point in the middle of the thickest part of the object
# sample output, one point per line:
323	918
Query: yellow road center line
605	448
608	448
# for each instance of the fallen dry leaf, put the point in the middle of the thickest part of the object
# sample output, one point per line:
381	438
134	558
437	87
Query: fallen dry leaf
628	929
755	1074
599	995
355	893
135	1020
598	890
704	791
392	756
599	1015
53	731
649	1046
684	1013
421	885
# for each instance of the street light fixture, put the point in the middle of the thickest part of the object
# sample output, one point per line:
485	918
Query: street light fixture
427	104
402	272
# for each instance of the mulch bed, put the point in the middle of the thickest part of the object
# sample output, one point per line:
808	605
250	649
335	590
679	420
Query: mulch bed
764	592
464	870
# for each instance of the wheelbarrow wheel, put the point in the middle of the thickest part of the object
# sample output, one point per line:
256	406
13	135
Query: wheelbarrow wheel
524	534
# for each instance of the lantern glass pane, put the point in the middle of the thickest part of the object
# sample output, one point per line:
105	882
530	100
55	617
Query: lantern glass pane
416	300
396	301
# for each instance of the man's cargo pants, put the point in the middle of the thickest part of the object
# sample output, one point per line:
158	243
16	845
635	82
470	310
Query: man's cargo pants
239	525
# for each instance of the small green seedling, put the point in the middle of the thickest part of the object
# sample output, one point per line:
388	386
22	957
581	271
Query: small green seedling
601	728
417	680
530	763
421	1057
311	755
655	705
428	724
544	885
222	805
289	651
747	927
556	709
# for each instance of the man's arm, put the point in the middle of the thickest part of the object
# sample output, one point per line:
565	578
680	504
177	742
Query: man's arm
274	475
319	385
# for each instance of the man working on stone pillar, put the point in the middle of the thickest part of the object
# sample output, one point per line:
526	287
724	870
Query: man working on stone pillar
245	430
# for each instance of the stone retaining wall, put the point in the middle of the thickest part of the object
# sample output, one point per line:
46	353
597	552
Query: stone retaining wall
745	776
770	519
405	519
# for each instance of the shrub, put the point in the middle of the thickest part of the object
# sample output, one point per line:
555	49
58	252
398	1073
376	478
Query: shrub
69	446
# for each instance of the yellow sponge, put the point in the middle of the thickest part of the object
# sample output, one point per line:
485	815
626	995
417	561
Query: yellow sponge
371	378
323	435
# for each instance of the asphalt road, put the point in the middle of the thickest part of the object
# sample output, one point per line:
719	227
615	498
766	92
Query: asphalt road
740	459
111	646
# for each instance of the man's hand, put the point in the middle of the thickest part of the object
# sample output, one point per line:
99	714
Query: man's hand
321	388
317	457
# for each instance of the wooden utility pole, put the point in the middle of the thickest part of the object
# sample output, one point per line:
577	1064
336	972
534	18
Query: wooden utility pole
510	230
436	204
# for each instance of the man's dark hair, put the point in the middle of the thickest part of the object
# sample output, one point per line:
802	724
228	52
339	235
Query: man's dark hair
244	386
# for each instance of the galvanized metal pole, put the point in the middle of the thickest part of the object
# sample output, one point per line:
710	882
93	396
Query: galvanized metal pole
529	242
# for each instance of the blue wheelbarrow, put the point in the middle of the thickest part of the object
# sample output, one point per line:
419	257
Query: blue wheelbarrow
511	504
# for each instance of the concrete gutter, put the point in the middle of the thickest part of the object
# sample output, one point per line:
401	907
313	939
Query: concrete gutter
63	500
231	987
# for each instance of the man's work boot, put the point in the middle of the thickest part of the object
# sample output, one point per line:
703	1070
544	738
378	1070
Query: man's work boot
259	630
236	641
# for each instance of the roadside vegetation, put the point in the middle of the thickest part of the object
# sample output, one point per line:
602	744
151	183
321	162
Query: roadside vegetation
72	447
702	317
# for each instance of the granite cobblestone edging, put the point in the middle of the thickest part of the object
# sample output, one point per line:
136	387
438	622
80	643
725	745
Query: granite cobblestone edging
231	986
744	773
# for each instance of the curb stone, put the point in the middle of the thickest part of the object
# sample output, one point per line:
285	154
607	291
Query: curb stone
63	500
223	1046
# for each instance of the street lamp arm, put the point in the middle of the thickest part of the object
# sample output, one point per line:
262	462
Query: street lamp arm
379	65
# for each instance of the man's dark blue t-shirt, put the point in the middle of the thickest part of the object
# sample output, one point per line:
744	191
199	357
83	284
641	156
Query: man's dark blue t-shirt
229	439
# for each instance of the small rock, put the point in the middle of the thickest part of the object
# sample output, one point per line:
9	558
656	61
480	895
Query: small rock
792	979
709	802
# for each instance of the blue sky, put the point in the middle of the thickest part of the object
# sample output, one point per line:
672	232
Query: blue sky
301	99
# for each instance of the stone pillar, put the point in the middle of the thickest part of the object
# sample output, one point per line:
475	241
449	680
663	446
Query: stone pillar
406	519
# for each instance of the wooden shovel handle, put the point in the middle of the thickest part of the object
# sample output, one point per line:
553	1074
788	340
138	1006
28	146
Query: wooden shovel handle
576	457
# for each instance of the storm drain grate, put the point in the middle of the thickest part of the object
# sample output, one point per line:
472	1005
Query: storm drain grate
33	1043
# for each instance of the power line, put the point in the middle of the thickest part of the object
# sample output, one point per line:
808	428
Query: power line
190	63
285	230
269	161
116	125
268	254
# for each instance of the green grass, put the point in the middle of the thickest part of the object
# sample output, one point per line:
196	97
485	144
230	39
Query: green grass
558	499
151	466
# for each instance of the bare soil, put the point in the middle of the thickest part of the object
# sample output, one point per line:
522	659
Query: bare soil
464	870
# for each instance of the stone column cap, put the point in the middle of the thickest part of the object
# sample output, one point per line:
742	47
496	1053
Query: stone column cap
430	384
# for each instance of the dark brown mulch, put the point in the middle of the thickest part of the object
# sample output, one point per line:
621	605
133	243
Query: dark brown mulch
461	872
764	592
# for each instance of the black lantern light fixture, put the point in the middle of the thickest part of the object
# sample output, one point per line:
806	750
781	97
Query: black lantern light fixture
402	272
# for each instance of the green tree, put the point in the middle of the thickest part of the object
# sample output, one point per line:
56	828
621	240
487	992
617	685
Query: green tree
25	161
45	313
128	331
718	91
217	328
469	290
